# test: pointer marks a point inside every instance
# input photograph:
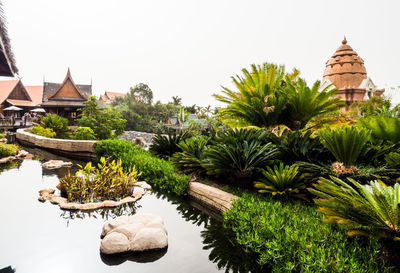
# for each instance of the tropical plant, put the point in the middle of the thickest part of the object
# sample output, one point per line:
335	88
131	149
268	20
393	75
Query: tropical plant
281	180
345	143
371	210
259	99
8	149
84	133
191	158
41	131
375	106
382	128
239	153
167	145
305	103
393	160
105	123
107	181
58	124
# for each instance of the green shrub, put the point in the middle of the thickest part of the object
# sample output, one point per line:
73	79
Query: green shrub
158	172
238	154
290	237
166	146
393	160
282	180
372	210
84	133
8	149
191	158
382	128
58	124
105	123
345	143
2	135
45	132
106	182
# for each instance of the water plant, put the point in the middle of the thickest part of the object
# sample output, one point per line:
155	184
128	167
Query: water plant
106	182
8	149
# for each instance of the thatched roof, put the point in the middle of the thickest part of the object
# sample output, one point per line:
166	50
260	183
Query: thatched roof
7	60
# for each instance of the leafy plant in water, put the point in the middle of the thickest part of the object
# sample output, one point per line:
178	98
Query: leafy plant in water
8	149
167	145
192	156
281	179
345	143
107	181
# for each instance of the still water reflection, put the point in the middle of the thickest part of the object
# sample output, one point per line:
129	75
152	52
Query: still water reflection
39	237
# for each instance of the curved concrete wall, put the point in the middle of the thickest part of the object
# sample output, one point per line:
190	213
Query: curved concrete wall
81	149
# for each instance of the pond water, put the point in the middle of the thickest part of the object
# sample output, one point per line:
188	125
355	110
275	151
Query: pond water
40	237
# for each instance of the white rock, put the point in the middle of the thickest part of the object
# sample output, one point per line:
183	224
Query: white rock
142	232
55	164
143	185
149	238
114	243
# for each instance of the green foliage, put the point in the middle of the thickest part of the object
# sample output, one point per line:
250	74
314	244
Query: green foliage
104	123
382	128
282	180
300	146
289	237
2	135
393	160
58	124
45	132
376	106
191	158
166	146
84	133
8	149
142	93
345	143
371	210
268	96
238	154
305	103
106	182
158	172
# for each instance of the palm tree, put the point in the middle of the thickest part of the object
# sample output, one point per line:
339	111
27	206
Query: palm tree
176	100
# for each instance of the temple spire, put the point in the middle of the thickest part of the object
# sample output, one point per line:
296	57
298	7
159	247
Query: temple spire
344	40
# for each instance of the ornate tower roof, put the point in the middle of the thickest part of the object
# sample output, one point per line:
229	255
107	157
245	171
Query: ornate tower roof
345	69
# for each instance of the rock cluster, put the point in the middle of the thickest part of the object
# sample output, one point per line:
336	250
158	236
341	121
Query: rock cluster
56	164
49	194
139	232
21	154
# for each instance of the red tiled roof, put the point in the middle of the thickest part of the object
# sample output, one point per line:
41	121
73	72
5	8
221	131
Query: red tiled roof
36	93
5	89
21	103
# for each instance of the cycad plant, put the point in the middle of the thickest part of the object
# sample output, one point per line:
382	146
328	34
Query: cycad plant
304	102
372	210
282	180
259	99
167	145
192	156
382	128
345	143
58	124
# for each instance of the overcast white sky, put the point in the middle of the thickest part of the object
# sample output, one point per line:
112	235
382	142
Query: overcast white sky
189	48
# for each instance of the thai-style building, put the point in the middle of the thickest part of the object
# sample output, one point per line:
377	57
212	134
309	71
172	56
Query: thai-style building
7	62
14	93
346	71
109	97
65	98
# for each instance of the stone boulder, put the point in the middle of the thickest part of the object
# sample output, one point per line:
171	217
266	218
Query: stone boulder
139	232
56	164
